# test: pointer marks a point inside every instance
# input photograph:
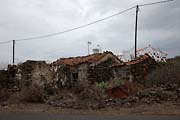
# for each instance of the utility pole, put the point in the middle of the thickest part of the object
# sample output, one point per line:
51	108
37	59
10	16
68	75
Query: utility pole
136	27
13	51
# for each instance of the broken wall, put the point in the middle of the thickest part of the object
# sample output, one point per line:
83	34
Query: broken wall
69	76
122	72
35	73
101	72
141	70
136	70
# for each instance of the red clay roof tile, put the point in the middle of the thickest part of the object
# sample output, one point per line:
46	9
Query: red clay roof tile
82	59
136	61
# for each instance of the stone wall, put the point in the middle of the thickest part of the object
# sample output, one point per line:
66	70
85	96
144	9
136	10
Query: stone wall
141	70
69	76
34	73
123	72
136	70
100	72
84	73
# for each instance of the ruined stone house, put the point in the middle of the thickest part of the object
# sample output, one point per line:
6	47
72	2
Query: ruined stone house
80	70
85	69
34	73
135	70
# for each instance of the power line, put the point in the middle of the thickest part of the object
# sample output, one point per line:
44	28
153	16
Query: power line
72	29
69	30
6	42
148	4
94	22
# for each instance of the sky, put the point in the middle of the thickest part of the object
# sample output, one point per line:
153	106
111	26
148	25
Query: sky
158	25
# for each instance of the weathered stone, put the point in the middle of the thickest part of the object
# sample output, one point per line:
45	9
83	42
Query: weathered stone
34	73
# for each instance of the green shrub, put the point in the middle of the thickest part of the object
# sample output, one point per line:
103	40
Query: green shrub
113	83
103	85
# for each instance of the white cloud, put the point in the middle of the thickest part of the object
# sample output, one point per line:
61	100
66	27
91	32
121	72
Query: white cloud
22	19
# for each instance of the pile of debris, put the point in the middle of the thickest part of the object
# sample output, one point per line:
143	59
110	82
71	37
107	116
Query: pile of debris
79	98
169	92
153	95
93	98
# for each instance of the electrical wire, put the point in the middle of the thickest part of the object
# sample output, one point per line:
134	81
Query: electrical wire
6	42
72	29
91	23
148	4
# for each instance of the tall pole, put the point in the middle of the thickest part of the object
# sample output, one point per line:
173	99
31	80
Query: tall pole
136	27
13	51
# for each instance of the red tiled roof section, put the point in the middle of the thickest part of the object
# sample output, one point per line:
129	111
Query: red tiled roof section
83	59
136	61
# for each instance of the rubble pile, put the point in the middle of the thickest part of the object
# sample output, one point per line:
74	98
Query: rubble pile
79	98
153	95
88	98
169	92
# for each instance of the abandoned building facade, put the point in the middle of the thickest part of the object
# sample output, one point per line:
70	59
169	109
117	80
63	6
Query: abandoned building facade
69	72
86	69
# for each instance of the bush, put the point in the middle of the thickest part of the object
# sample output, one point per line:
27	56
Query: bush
114	83
103	85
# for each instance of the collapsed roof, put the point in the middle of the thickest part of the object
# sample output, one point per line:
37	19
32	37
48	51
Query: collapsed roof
90	59
136	61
